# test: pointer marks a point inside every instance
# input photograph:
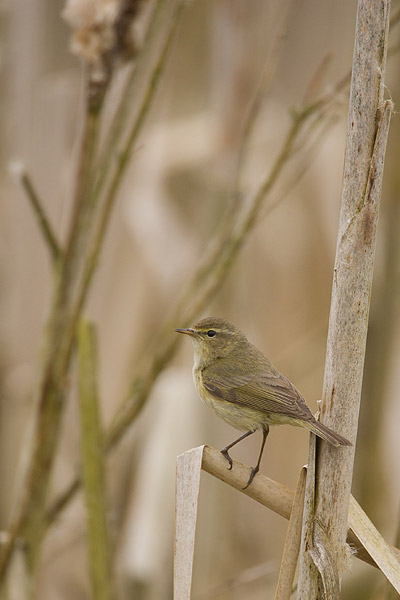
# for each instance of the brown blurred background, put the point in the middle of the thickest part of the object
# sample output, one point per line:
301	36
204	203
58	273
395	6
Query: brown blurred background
278	291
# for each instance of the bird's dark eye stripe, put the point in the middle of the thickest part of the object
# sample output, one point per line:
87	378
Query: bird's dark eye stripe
211	333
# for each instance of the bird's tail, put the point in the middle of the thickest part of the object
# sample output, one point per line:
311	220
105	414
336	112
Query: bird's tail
327	434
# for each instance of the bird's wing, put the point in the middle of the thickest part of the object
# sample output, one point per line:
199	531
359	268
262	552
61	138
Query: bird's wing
265	390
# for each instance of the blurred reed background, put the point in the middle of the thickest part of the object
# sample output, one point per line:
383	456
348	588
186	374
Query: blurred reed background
180	182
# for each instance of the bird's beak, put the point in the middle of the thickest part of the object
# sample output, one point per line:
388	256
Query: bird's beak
187	331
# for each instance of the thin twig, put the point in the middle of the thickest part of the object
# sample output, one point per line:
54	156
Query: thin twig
37	206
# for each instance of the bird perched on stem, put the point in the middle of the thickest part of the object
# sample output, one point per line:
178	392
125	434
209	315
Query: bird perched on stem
239	383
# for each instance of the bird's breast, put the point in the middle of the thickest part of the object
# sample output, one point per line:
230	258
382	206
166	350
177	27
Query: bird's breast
241	417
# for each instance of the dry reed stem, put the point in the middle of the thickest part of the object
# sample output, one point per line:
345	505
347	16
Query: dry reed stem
308	513
391	592
386	557
278	498
187	487
368	125
292	543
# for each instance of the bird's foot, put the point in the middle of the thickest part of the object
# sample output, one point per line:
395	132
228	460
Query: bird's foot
254	471
225	453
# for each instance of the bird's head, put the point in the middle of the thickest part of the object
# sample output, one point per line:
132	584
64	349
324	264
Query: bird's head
213	338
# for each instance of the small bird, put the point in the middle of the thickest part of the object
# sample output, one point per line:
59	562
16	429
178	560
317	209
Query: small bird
239	383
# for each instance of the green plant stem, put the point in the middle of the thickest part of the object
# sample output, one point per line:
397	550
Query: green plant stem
76	273
61	327
43	222
93	468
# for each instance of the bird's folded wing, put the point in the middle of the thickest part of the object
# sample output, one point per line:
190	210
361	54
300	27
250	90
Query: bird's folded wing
266	392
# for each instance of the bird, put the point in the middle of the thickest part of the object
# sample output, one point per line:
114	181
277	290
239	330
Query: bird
240	384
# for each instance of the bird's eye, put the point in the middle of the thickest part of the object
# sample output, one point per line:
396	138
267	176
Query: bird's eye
211	333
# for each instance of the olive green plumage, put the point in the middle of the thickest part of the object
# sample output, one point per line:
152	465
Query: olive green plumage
239	383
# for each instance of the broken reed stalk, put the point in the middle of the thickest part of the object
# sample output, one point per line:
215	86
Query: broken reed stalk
292	543
369	117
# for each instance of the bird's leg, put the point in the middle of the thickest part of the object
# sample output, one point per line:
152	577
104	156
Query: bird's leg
225	452
255	469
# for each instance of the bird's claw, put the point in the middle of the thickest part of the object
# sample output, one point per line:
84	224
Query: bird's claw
254	471
225	453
